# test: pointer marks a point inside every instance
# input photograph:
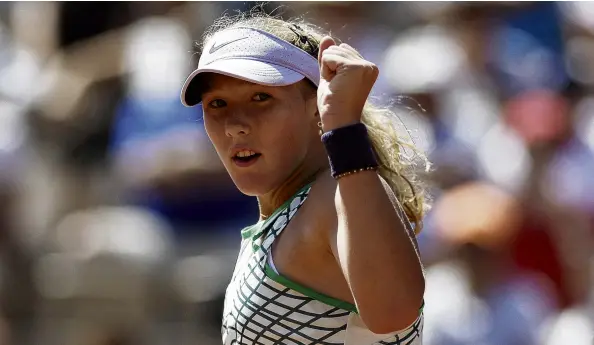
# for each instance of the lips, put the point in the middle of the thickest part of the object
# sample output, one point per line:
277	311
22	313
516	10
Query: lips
244	157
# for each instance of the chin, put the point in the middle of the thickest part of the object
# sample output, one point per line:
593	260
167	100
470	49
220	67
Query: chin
252	185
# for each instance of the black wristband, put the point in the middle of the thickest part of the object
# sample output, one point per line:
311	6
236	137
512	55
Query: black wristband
349	150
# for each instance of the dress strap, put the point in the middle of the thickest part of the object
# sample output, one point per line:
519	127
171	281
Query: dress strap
274	228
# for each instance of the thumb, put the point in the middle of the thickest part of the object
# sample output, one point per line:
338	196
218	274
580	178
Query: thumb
325	43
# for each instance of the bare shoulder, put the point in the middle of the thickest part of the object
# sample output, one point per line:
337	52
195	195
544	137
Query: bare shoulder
322	210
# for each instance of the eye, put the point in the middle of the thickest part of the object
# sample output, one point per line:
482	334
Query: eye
217	103
260	97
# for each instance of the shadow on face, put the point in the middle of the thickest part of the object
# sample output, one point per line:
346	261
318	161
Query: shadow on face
263	134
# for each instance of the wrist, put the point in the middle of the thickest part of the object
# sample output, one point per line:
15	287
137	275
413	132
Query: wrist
349	150
332	122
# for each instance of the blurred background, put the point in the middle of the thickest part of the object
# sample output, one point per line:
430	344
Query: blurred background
118	224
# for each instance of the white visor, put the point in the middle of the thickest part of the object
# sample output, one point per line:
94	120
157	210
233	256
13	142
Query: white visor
252	55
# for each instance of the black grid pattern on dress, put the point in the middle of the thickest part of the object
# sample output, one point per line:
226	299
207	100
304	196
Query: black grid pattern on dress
259	311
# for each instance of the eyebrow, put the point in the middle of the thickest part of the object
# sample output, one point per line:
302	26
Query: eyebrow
205	90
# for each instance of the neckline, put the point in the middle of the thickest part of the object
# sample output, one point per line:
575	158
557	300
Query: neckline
254	229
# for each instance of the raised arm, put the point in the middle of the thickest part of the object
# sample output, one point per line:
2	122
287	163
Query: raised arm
369	240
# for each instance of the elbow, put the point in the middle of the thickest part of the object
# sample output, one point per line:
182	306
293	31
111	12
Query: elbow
394	322
393	317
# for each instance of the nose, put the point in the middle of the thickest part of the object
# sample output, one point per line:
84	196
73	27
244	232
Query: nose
237	125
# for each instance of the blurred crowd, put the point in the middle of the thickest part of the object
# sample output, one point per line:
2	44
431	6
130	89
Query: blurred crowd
119	225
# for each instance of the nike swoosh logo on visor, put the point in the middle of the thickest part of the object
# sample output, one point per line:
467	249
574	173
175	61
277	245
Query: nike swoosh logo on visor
216	47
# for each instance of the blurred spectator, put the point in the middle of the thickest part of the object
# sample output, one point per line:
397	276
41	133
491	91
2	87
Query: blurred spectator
481	297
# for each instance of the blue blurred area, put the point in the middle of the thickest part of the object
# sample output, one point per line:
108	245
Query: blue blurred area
146	119
197	210
526	50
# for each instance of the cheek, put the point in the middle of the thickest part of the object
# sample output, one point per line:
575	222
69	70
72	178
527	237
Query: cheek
289	141
208	127
215	132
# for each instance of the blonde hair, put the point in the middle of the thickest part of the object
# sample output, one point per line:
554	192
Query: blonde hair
399	159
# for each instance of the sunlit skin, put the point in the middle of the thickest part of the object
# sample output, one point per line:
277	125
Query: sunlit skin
280	123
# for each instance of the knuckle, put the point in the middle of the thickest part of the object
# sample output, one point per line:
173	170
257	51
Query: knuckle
359	65
371	69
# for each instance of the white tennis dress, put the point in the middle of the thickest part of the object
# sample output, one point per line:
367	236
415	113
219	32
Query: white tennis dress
262	307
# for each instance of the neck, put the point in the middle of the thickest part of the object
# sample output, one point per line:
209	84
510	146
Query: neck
268	203
304	174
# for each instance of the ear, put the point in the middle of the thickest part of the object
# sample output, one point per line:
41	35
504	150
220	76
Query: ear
310	98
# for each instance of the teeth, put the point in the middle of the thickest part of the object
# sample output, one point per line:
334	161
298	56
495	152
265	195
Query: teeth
245	153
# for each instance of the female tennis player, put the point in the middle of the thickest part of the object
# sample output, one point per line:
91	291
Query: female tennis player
333	258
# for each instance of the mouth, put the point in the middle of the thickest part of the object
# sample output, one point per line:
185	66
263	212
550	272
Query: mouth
245	157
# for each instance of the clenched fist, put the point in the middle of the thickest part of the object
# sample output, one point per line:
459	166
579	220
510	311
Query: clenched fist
346	79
